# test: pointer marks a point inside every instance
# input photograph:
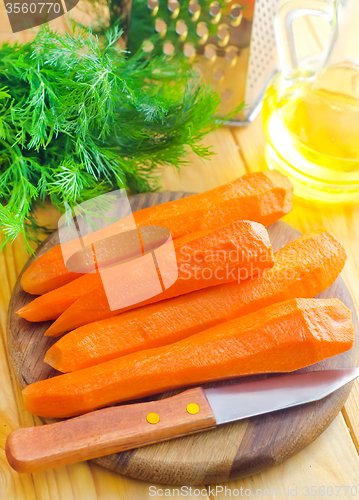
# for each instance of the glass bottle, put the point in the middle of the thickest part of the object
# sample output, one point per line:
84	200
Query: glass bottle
311	115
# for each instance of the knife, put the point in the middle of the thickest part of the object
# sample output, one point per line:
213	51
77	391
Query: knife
120	428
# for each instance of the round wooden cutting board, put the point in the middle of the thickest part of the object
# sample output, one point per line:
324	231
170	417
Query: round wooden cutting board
229	452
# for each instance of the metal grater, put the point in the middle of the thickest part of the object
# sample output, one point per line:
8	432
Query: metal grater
231	43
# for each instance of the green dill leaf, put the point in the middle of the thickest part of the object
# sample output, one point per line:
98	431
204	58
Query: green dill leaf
79	118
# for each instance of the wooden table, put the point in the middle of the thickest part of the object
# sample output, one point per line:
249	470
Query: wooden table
331	461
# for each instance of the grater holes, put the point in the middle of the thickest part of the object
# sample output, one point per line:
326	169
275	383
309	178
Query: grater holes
263	46
174	7
215	12
153	6
236	14
198	69
210	53
218	75
194	8
202	32
189	50
223	33
231	54
147	46
226	95
168	48
161	27
181	29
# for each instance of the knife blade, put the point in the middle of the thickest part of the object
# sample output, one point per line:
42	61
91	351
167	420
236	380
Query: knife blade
121	428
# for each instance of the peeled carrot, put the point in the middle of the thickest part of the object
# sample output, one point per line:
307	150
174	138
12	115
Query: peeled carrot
232	252
280	338
263	197
303	268
52	304
46	273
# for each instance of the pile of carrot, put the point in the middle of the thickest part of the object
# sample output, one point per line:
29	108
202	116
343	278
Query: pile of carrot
233	309
199	256
280	338
262	197
303	268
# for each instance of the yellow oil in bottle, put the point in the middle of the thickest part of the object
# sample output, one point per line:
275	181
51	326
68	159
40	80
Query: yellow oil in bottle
312	131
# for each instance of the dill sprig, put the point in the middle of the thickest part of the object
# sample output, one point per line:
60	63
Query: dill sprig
79	117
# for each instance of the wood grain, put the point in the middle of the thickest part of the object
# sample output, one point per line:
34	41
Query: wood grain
228	452
308	215
107	431
89	481
330	460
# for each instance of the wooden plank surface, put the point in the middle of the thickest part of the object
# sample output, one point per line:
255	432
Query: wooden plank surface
331	460
333	454
342	220
317	465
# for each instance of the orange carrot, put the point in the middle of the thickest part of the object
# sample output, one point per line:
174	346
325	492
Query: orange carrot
280	338
232	252
52	304
263	197
46	273
303	268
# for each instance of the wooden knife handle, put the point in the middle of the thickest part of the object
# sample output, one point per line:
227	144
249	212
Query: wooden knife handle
107	431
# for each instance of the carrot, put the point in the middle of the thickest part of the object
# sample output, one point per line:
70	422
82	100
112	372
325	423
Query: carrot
303	268
280	338
52	304
263	197
235	251
46	273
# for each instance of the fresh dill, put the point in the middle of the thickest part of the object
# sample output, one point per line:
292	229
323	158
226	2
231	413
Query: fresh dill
79	118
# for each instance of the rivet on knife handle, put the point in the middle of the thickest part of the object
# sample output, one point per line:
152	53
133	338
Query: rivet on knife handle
108	431
153	418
